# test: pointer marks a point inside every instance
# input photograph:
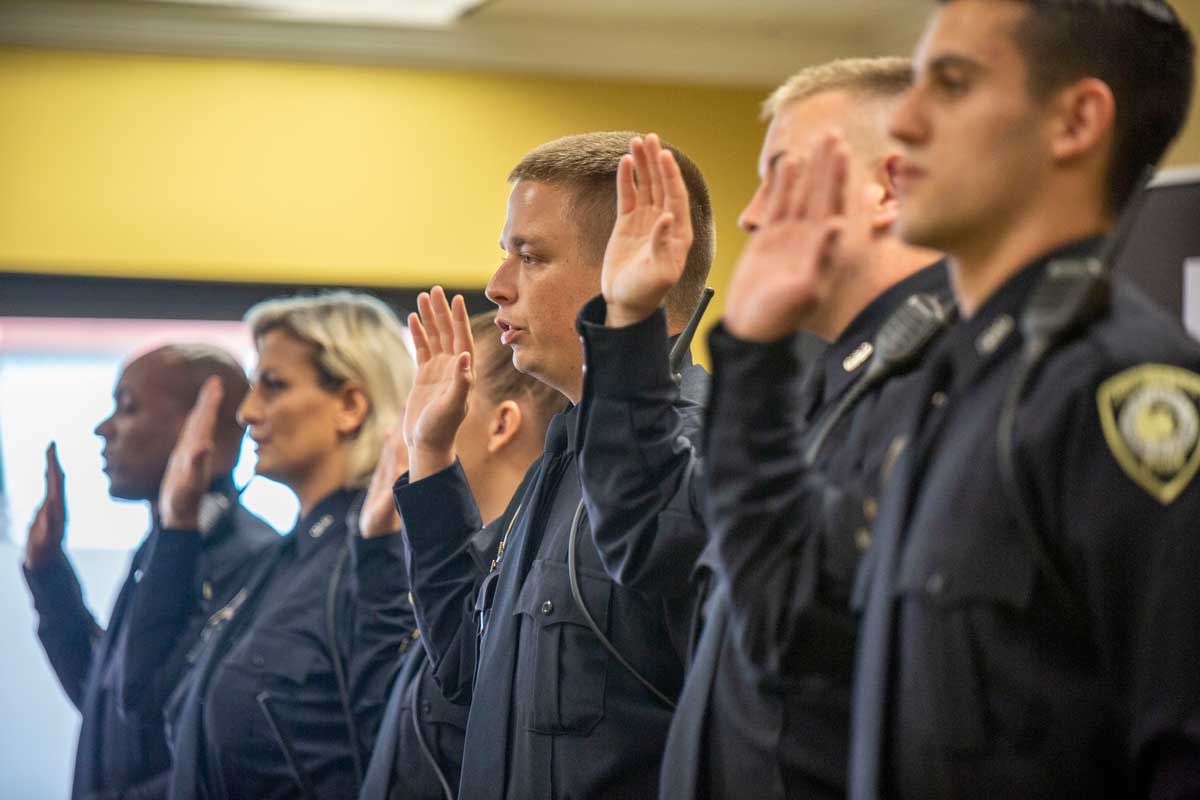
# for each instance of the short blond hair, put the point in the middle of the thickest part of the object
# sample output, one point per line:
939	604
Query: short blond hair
355	338
862	77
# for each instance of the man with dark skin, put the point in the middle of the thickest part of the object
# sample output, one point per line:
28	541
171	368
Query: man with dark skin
122	752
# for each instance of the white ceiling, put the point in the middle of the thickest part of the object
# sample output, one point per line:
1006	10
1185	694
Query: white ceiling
729	42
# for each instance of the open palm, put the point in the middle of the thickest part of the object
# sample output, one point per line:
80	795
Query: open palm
437	404
649	245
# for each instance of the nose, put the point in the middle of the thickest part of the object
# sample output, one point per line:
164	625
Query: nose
905	124
105	428
250	410
502	289
749	219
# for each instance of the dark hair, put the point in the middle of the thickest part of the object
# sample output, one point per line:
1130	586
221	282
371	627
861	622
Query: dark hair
587	163
499	380
1139	48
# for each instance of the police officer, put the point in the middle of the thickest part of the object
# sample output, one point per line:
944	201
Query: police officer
418	752
122	751
765	707
555	712
1031	597
289	682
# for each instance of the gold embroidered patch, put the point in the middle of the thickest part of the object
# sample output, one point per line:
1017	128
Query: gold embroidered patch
1151	420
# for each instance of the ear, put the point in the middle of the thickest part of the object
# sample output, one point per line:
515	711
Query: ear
504	425
353	407
885	205
1083	118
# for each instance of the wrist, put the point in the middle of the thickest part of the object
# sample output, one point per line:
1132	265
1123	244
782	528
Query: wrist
425	460
37	558
622	315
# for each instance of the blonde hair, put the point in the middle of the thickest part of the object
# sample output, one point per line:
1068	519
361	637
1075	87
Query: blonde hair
355	338
873	78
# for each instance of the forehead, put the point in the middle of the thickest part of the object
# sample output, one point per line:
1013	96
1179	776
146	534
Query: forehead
538	210
279	347
800	124
980	31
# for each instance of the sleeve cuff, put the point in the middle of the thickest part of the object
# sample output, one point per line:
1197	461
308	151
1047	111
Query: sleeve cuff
436	507
625	363
54	587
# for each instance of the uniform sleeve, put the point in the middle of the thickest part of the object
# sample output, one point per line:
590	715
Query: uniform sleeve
150	660
66	628
1126	529
440	518
638	459
766	510
383	618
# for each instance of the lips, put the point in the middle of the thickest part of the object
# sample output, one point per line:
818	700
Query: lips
906	175
508	331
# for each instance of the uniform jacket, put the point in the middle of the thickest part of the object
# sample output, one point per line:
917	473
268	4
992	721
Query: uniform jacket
975	677
122	751
553	714
261	713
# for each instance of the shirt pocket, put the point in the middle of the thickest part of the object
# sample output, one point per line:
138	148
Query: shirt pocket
271	656
954	613
562	667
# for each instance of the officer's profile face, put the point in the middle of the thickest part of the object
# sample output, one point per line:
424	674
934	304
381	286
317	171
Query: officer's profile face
796	129
291	417
973	141
541	283
148	413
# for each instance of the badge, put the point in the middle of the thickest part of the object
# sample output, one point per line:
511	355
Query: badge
1151	420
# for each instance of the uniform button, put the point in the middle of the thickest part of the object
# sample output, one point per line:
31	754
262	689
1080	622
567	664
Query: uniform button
547	608
410	600
137	576
935	583
258	661
862	539
206	590
426	708
937	399
870	509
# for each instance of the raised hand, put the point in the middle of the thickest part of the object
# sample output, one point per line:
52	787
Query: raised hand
378	516
649	244
189	470
45	538
437	404
783	274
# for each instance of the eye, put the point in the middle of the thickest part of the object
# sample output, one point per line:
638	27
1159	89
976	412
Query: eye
951	83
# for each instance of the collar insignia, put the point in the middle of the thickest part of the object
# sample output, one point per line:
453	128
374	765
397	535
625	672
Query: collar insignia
320	526
858	357
994	335
1151	421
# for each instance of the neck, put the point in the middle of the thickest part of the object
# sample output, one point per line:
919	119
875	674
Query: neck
891	262
984	262
327	477
501	480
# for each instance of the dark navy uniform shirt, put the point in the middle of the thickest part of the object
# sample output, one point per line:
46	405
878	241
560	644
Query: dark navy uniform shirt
261	714
552	713
974	678
122	749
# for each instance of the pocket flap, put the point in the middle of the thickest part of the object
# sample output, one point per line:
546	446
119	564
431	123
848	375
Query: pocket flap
546	596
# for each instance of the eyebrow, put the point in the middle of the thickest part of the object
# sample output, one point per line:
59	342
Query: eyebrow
955	60
772	161
520	241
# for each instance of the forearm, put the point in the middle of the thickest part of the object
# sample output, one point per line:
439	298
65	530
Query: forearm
637	457
67	630
440	518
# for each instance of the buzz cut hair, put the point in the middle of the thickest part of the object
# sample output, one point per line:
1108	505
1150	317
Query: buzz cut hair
586	164
872	78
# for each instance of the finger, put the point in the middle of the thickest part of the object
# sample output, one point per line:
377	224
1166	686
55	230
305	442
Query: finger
654	167
641	171
783	180
429	320
460	321
420	339
799	202
660	237
676	202
626	189
445	323
208	406
820	188
838	181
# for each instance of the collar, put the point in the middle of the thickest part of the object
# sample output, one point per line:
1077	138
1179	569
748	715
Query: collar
560	436
323	523
842	362
993	331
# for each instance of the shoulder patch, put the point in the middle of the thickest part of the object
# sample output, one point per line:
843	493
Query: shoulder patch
1151	420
